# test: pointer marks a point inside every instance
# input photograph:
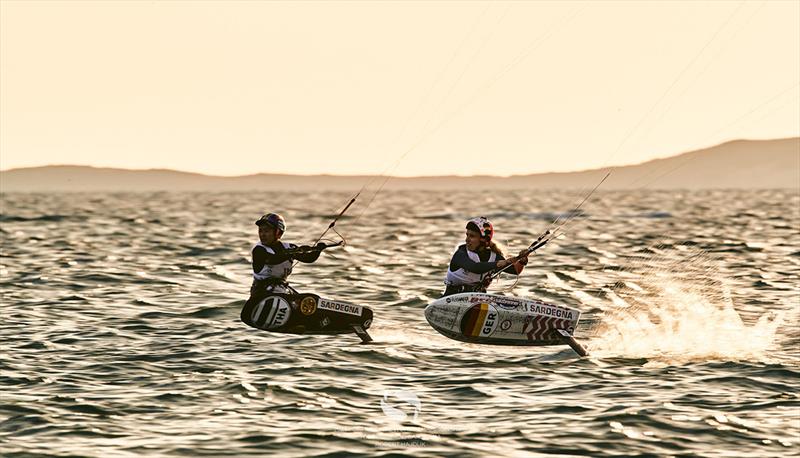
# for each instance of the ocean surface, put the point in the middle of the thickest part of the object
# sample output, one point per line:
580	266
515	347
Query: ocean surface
121	335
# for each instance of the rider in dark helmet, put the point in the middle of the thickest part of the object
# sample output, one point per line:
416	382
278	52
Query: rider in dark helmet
272	258
477	258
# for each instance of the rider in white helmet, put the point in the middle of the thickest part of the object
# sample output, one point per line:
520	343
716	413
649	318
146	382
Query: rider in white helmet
478	258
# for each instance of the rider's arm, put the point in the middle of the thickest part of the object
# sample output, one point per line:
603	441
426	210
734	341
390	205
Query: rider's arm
461	260
262	258
307	254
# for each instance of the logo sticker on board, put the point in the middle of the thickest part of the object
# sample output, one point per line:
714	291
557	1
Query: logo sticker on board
271	313
308	306
343	307
479	321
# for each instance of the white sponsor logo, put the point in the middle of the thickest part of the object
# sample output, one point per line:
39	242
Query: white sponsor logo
343	307
400	405
550	310
279	312
490	323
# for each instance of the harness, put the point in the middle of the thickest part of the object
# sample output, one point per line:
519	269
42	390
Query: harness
456	289
263	287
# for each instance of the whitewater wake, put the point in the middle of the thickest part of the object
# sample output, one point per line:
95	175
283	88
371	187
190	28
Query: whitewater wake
673	308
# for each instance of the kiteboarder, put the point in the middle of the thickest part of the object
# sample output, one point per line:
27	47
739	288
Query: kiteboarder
479	257
272	258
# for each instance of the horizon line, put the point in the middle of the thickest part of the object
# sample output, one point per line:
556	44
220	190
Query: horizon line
396	176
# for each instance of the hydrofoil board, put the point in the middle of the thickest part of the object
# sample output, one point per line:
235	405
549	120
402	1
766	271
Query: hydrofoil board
502	320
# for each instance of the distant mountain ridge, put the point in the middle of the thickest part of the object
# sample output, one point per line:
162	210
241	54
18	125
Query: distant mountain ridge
741	164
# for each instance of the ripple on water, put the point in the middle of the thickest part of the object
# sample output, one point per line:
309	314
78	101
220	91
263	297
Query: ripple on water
127	342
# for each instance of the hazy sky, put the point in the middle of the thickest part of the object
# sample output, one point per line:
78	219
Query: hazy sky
233	88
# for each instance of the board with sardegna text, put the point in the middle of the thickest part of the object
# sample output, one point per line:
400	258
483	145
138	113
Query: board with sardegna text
307	314
502	320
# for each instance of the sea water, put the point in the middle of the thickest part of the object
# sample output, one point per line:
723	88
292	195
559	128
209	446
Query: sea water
121	335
